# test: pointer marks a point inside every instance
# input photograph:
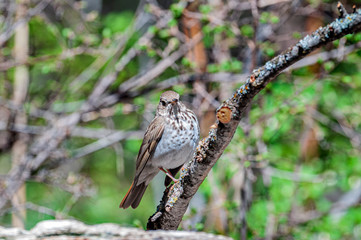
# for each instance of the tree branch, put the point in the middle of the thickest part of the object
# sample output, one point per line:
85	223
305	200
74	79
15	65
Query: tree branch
171	209
72	229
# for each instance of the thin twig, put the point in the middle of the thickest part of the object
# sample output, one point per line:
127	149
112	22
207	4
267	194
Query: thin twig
30	13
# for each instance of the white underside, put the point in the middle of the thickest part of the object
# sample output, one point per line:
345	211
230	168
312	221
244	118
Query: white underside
173	150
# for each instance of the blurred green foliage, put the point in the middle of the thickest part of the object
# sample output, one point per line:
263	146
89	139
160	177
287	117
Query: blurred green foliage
277	117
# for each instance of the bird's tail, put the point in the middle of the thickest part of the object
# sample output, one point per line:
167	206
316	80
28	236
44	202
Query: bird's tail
133	196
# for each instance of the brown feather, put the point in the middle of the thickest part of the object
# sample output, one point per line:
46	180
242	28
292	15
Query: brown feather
142	188
133	196
151	138
125	202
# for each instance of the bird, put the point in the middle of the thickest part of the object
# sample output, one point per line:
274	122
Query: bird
169	141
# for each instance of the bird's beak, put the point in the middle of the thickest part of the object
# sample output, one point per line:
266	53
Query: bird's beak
175	108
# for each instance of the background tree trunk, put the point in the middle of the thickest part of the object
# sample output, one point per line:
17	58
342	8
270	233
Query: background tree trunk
21	50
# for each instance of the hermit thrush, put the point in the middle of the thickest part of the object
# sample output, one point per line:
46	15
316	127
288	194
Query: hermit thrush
168	143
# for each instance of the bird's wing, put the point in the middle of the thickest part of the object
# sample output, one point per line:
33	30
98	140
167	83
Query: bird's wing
150	141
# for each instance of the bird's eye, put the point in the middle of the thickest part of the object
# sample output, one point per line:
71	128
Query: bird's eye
163	103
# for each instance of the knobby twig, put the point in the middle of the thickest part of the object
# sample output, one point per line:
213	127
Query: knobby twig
174	203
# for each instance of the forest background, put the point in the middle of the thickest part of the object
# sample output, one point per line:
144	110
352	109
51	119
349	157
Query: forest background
293	167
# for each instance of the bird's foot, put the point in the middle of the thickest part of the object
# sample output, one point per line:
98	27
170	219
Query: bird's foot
170	189
169	175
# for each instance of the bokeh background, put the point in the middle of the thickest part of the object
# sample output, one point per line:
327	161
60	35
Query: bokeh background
292	170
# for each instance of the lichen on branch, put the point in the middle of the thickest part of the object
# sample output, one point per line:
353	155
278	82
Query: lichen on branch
174	203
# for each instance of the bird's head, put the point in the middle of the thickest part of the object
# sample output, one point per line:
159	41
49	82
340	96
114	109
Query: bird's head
169	105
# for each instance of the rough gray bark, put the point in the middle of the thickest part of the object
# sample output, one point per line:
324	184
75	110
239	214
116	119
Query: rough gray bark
174	203
72	229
